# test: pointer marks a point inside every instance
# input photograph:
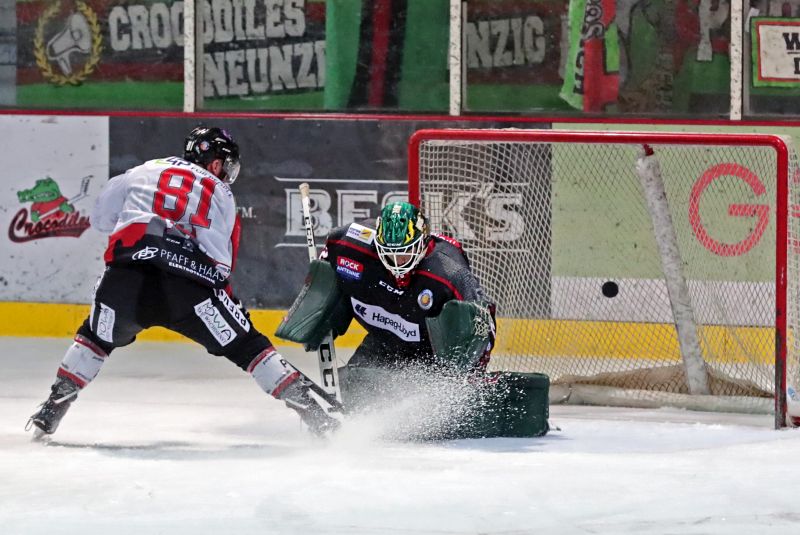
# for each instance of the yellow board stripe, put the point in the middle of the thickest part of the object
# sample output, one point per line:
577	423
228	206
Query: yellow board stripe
631	340
579	339
61	320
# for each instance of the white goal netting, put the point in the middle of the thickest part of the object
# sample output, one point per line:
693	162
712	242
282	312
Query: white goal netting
629	275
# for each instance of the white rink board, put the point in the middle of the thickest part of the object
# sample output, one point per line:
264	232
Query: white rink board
55	268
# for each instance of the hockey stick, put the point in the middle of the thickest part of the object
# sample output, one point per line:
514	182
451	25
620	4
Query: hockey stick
326	352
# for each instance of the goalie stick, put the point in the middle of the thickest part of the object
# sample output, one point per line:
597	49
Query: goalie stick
326	352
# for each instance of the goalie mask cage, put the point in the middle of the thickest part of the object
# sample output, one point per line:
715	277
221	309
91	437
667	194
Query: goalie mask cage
635	269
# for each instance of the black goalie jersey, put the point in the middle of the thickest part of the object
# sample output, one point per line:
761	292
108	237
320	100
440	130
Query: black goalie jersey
393	312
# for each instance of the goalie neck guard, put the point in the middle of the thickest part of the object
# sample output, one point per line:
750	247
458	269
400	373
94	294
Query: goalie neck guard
402	233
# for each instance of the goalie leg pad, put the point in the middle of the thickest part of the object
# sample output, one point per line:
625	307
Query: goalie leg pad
318	309
511	405
364	387
499	404
461	333
82	361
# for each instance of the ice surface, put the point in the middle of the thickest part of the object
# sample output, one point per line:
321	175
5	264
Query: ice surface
171	440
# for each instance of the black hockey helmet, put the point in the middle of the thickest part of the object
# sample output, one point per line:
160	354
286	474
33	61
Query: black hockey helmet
205	144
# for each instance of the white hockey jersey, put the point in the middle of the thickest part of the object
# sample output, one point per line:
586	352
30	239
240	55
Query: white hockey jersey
181	193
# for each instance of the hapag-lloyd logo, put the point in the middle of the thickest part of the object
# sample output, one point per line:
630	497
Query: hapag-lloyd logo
51	214
381	318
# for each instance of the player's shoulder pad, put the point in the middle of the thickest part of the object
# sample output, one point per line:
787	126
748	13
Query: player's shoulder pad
449	247
448	239
168	161
448	254
362	232
337	233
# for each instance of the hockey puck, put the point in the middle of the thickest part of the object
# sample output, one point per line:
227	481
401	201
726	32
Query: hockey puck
610	289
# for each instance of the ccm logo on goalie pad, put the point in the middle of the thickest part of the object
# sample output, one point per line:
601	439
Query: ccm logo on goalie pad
236	313
216	324
380	318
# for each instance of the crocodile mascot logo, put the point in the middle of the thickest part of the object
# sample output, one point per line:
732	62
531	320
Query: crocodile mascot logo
47	200
51	214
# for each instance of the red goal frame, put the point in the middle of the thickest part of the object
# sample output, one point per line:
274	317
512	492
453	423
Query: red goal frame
645	138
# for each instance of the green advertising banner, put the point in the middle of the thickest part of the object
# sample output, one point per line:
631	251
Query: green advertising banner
591	78
519	55
387	54
597	56
119	54
99	53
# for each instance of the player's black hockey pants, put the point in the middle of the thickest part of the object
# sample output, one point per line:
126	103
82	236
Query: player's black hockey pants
131	298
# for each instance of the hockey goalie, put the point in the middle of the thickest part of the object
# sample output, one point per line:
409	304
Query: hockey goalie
429	324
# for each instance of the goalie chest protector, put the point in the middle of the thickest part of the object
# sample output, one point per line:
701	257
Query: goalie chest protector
393	313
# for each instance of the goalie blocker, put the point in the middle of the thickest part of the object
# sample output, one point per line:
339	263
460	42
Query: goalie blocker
505	404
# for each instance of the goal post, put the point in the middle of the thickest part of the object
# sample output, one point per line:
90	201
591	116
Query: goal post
634	268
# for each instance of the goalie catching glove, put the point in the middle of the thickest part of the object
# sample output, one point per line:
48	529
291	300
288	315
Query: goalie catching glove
462	333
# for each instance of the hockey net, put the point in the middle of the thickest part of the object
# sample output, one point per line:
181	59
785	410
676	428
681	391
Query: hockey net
635	269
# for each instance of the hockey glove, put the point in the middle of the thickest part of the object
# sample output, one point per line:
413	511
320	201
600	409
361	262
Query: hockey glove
462	333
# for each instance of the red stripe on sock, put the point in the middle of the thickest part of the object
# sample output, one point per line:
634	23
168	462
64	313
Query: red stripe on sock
72	377
261	356
91	345
286	382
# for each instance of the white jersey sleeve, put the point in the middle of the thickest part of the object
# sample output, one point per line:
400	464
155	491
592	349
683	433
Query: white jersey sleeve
181	193
108	205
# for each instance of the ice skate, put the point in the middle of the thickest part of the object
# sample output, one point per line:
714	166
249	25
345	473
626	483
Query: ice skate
298	397
46	420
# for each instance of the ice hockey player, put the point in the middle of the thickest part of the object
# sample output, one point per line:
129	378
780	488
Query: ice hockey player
173	240
422	306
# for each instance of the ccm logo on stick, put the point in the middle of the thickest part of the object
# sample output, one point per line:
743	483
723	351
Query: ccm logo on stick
349	268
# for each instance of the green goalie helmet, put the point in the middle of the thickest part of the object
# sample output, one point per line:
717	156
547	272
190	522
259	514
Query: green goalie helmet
401	237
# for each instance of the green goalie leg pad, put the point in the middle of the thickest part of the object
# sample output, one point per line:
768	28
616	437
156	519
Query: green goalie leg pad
317	310
517	405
